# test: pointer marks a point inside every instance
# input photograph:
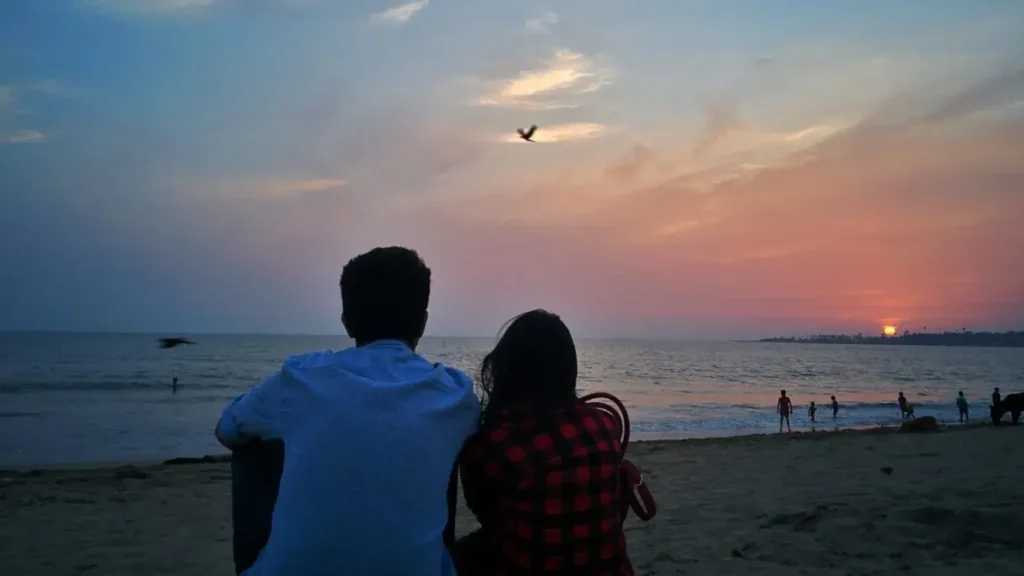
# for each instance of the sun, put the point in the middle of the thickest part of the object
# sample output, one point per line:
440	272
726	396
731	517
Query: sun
889	330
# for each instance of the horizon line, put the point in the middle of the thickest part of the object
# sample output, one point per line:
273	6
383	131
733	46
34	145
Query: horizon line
4	331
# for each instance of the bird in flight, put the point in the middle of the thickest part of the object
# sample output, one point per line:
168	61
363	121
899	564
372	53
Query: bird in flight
527	134
172	342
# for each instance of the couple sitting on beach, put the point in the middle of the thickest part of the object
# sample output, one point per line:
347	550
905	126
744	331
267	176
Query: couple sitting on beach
373	437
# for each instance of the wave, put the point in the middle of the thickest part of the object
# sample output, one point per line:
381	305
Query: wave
221	382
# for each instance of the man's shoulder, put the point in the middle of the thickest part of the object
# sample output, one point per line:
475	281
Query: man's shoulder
311	359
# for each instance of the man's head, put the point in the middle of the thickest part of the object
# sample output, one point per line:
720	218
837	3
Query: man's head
384	296
783	392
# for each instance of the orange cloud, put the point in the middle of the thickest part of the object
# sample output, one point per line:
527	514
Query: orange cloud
565	75
917	220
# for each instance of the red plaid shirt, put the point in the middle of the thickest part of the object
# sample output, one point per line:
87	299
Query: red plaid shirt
546	493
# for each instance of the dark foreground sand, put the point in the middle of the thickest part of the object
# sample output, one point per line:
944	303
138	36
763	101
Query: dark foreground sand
801	504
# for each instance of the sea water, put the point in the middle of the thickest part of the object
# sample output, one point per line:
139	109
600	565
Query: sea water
91	398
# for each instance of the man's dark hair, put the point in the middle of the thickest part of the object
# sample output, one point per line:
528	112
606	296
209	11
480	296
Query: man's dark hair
384	295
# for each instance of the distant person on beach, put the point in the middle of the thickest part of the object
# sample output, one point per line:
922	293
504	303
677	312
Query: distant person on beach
996	397
370	439
835	408
811	411
541	475
902	401
174	384
784	407
961	405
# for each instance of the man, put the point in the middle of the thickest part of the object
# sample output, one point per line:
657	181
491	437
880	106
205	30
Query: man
961	406
902	401
835	408
371	435
996	397
784	407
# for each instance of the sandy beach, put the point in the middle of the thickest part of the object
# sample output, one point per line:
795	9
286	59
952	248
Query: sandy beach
794	504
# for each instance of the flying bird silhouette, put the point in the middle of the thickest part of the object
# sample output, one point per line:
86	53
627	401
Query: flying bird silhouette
527	134
172	342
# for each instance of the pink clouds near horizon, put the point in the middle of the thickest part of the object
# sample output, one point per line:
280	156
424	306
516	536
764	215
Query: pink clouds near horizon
914	222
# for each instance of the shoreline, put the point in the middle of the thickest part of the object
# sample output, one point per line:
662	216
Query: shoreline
852	502
649	439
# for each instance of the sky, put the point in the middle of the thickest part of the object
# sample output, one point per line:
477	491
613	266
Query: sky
702	169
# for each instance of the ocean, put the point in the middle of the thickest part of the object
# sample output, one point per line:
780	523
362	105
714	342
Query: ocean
106	398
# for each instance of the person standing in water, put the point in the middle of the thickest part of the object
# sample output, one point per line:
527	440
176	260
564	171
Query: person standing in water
835	408
961	405
811	411
174	384
902	401
784	407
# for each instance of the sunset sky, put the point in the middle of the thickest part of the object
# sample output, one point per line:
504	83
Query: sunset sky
703	168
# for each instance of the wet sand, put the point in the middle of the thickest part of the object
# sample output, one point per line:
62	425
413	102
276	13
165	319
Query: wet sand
782	504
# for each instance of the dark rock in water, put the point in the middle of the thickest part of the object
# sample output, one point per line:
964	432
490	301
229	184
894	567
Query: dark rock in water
922	424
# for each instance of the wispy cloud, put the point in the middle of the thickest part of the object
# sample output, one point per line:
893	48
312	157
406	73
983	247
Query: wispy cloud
566	74
159	8
402	13
156	7
875	220
6	99
561	133
24	137
274	188
542	24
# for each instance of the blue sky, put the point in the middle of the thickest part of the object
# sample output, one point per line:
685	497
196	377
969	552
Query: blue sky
209	165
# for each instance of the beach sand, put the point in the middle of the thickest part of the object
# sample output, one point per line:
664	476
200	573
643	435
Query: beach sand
785	504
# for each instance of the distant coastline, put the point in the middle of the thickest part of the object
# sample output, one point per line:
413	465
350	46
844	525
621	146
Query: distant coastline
1013	339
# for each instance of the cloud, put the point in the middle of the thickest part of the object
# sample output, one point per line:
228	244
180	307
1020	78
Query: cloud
24	137
723	119
542	24
631	164
401	13
914	218
272	188
155	7
561	133
566	74
6	98
183	7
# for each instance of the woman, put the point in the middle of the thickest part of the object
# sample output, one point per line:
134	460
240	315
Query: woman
542	473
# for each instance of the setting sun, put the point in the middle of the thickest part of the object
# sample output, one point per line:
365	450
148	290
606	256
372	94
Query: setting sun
889	330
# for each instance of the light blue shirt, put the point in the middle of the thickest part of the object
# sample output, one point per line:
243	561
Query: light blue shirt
371	435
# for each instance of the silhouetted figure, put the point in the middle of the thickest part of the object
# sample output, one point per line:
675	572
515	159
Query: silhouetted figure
355	470
174	384
172	342
811	411
784	407
996	397
961	405
1013	403
534	430
904	410
528	133
835	408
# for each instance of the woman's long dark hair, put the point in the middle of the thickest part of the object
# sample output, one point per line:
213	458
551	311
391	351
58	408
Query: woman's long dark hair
533	365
